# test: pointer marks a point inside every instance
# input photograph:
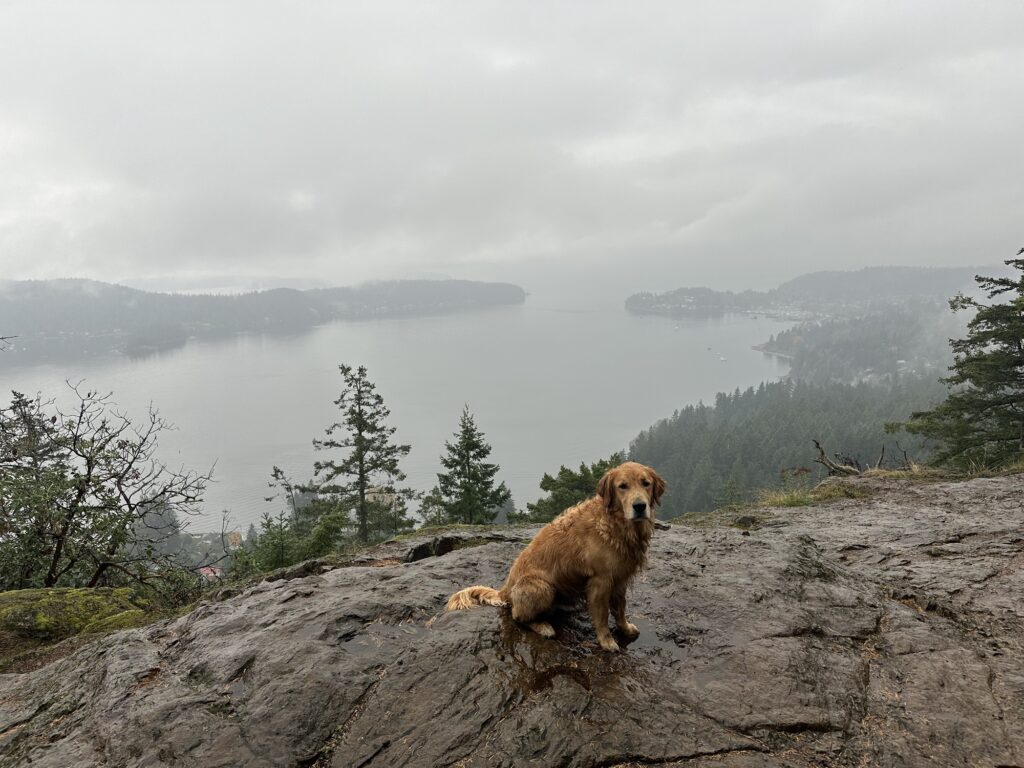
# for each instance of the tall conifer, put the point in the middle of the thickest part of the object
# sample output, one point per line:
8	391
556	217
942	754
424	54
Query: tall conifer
981	423
467	486
367	476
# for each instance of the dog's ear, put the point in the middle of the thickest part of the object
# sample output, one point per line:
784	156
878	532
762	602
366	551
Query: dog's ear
606	488
657	488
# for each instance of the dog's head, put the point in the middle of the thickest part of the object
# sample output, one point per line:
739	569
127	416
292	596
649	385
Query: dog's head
631	490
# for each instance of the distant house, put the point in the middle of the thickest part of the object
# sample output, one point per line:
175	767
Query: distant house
383	497
234	539
211	573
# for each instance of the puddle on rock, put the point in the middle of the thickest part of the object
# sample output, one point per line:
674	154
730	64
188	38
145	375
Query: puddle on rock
573	654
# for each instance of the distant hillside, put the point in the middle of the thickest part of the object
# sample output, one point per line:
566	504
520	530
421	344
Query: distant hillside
897	338
71	315
830	292
712	455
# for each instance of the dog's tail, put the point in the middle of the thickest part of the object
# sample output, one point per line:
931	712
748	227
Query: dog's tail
471	596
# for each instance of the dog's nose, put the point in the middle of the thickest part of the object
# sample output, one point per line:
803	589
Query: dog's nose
639	507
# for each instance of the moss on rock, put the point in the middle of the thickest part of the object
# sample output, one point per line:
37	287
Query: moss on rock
123	620
54	614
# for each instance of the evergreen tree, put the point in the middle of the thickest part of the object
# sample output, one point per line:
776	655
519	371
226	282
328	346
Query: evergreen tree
467	488
566	489
276	546
981	423
432	508
370	466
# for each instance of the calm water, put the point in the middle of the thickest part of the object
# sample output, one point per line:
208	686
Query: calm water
548	385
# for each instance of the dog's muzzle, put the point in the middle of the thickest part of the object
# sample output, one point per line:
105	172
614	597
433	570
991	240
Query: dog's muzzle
639	510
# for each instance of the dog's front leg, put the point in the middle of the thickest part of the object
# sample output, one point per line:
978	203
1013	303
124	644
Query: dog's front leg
599	593
619	610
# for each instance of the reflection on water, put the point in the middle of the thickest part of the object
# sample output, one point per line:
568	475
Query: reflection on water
548	387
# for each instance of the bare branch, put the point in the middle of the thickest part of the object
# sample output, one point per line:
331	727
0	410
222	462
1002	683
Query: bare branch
832	467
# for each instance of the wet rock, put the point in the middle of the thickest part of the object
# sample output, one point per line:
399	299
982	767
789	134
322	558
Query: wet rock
879	631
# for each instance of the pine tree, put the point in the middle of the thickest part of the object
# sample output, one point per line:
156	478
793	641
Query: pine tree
981	422
467	488
370	468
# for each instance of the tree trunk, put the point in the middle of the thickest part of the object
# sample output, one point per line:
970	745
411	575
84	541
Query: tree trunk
364	533
100	570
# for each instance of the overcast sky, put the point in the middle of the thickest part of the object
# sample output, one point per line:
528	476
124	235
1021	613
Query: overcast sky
647	145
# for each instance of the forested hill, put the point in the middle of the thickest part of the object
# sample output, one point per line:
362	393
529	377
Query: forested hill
713	455
830	291
131	319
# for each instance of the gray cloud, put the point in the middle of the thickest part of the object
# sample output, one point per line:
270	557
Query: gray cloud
726	142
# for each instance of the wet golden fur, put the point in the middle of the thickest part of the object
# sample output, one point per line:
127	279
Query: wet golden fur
592	550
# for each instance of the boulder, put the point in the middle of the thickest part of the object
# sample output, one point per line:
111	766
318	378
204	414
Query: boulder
878	631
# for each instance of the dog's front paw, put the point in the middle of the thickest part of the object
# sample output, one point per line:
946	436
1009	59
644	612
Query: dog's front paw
608	644
629	630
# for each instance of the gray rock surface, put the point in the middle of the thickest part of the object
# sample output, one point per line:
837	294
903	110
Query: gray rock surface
881	631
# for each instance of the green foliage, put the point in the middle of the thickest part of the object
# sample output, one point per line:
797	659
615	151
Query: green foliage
305	508
741	443
389	513
467	490
83	499
566	489
278	544
281	541
432	509
175	587
981	422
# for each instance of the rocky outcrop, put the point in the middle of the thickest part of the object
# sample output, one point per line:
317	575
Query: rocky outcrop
878	631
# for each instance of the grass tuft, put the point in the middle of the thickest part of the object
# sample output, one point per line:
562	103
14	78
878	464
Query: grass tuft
914	471
829	490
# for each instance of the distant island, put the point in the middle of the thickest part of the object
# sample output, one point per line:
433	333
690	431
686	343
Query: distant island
830	293
72	317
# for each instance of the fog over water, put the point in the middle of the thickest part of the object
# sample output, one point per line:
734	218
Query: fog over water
559	380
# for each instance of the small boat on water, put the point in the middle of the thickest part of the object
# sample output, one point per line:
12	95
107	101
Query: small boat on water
723	359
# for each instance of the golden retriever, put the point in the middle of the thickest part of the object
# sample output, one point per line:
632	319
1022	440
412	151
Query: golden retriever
593	549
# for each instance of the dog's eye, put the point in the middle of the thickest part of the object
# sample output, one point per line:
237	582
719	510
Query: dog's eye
623	486
646	483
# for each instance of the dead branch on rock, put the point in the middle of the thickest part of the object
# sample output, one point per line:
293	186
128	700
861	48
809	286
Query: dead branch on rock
847	467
